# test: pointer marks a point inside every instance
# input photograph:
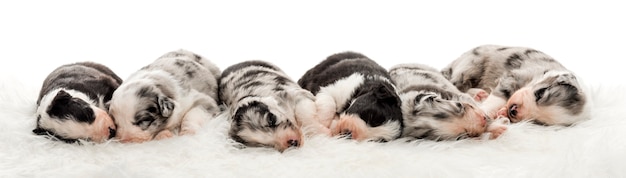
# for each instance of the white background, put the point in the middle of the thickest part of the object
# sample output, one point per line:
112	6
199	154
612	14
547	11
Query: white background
37	36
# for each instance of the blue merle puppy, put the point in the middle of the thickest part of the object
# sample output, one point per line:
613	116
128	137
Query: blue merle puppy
72	103
173	95
435	109
524	84
355	97
266	108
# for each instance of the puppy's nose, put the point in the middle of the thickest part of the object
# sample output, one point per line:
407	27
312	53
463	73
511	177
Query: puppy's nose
293	143
111	133
513	111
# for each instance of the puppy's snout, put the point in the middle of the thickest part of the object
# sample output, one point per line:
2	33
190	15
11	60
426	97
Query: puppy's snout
293	143
513	111
111	133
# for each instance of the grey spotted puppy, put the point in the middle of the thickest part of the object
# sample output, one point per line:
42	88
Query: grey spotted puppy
173	95
266	107
435	109
524	84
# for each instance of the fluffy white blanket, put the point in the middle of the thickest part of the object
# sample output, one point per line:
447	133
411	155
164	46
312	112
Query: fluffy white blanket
594	148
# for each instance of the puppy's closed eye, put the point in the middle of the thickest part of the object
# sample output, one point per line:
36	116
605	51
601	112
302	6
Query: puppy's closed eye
145	122
539	93
271	120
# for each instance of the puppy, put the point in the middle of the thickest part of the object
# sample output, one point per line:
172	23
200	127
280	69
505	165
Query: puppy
435	109
267	108
355	97
71	103
524	84
175	94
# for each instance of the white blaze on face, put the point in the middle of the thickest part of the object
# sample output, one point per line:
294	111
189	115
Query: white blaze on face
123	108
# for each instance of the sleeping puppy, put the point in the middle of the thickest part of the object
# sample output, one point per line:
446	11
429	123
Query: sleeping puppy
355	97
435	109
524	84
71	103
173	95
266	108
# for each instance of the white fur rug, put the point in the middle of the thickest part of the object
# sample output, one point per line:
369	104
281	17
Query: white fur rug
594	148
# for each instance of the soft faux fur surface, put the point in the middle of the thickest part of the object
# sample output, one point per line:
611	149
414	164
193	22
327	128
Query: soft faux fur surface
594	148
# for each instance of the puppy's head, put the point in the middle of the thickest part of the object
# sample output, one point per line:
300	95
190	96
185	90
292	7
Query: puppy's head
373	114
261	122
437	116
141	110
554	99
69	115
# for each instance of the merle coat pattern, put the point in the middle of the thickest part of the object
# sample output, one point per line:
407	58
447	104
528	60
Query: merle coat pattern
355	97
266	107
524	84
435	109
72	103
175	94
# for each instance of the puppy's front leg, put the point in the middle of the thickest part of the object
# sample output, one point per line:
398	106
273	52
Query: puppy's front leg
326	108
164	134
497	127
492	104
306	114
193	120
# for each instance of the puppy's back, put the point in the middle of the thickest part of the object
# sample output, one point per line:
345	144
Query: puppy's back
338	66
190	69
483	65
408	76
93	79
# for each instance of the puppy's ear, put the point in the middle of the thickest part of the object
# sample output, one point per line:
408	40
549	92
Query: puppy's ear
565	79
62	98
166	106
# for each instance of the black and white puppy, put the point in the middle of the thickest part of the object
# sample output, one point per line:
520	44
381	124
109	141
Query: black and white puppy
355	96
435	109
175	94
72	103
524	84
266	107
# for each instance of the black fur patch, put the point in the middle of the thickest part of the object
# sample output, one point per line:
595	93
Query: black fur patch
514	62
502	49
152	113
64	106
339	66
375	104
52	135
506	93
530	51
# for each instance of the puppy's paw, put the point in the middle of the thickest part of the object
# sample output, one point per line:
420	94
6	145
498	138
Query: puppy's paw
187	131
163	135
478	94
497	128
